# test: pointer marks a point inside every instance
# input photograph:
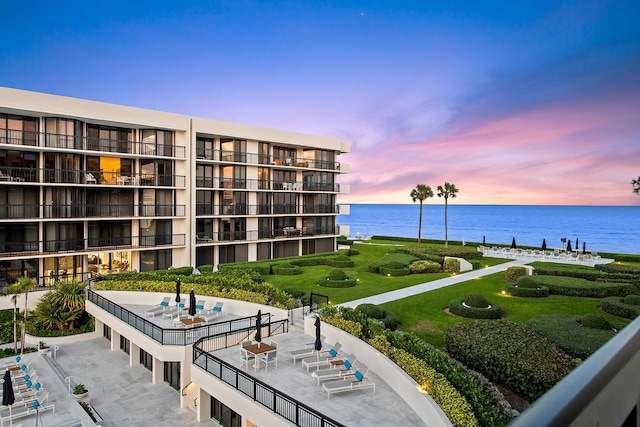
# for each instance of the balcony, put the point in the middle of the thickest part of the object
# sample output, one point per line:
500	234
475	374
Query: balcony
71	176
255	184
89	211
206	237
71	142
205	209
254	158
23	248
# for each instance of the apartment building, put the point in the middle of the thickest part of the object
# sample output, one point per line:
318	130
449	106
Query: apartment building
93	188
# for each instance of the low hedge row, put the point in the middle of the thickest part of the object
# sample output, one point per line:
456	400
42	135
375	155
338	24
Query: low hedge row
286	269
395	272
627	258
617	307
425	266
576	287
453	404
514	273
509	353
457	307
514	290
488	403
346	283
403	259
451	265
568	333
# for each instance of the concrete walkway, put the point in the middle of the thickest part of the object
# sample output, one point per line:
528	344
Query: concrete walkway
430	286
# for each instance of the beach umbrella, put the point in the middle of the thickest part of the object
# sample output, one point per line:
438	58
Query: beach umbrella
584	248
7	393
577	243
318	343
513	243
483	240
258	336
192	303
568	245
544	244
177	291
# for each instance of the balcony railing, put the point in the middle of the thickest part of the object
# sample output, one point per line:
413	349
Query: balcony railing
253	235
72	142
91	244
253	158
89	211
242	209
271	398
169	336
255	184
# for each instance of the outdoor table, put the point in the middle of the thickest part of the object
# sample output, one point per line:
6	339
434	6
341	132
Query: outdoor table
257	349
192	322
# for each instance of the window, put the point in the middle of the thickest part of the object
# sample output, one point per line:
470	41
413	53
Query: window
156	172
233	203
233	253
233	150
233	177
204	148
66	236
18	130
263	153
224	415
204	202
108	138
264	228
284	156
204	176
284	203
155	260
125	345
172	374
146	360
263	178
109	233
157	142
155	232
264	203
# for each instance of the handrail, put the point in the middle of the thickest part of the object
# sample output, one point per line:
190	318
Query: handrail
278	402
170	336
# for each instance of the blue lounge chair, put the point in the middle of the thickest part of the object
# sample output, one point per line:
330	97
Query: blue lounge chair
322	360
358	382
159	308
335	373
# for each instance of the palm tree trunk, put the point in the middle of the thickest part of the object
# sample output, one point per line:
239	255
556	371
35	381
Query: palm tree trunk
446	228
24	322
15	327
420	223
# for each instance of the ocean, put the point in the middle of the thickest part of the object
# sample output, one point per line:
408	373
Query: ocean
603	228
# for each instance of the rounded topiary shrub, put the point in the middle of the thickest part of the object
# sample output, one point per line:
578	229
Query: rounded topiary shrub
632	299
286	269
527	287
337	279
206	269
424	266
475	306
352	252
337	274
341	261
451	265
596	321
477	301
371	310
513	273
394	269
390	320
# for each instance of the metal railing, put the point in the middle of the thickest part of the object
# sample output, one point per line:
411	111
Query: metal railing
89	211
271	398
175	336
252	235
243	209
256	184
90	244
253	158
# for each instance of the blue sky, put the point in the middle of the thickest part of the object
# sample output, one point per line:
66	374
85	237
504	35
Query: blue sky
514	102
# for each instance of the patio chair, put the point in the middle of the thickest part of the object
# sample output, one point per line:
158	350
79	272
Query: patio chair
200	305
171	311
5	177
358	382
322	360
246	357
335	373
302	353
270	357
158	308
89	178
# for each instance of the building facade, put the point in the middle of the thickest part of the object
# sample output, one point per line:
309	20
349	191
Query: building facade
94	188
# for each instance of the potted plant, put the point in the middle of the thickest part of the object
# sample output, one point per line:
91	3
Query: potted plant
43	348
80	391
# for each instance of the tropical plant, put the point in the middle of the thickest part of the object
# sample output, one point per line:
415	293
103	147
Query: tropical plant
79	389
61	307
24	285
421	193
446	191
636	185
14	291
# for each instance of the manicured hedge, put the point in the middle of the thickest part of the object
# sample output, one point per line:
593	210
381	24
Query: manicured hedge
341	261
527	287
425	266
460	308
403	259
617	307
337	279
395	272
509	353
286	269
632	299
568	333
488	403
513	273
451	265
452	403
618	268
627	258
576	287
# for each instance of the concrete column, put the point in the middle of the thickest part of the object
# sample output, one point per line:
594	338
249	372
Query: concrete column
203	410
115	340
134	354
157	373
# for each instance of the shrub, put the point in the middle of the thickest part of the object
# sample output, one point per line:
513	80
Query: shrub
618	268
627	258
206	269
293	291
509	353
527	282
424	266
477	301
390	321
576	287
568	333
337	274
632	299
513	273
460	308
403	259
451	265
286	269
616	306
371	310
488	403
596	321
352	252
517	291
395	272
341	261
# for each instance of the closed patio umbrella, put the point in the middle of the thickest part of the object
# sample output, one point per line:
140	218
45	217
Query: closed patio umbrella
584	248
568	245
544	244
513	243
318	344
7	393
258	336
192	303
177	291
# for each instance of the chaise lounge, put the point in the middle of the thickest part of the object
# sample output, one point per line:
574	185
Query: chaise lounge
358	382
158	308
322	360
335	373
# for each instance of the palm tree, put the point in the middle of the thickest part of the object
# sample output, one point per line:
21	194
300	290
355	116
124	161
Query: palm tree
14	291
449	190
636	185
24	284
69	296
421	192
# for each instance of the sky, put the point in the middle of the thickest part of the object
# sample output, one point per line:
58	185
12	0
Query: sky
513	102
